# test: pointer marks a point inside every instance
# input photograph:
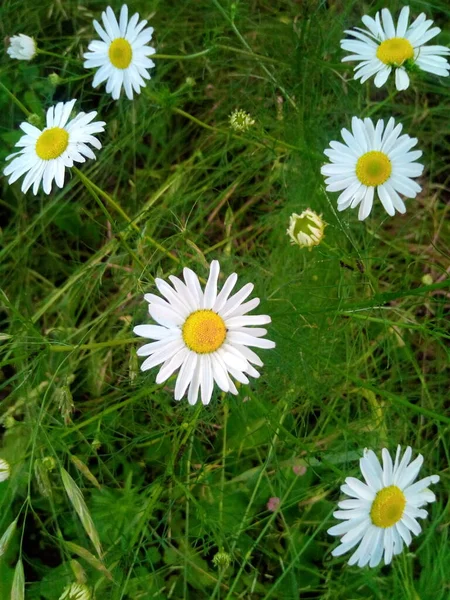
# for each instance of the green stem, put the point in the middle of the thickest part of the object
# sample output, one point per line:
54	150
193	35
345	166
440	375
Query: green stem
93	346
182	56
263	532
60	56
251	54
15	100
224	453
248	47
90	185
258	143
160	486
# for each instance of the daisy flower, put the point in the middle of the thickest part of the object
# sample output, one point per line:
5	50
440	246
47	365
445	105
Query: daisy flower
306	229
122	54
22	47
374	157
382	512
44	155
206	334
383	48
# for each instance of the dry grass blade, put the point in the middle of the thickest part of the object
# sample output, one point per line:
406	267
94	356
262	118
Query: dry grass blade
84	470
90	558
76	497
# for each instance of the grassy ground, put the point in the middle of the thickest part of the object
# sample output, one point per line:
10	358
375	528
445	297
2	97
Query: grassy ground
362	357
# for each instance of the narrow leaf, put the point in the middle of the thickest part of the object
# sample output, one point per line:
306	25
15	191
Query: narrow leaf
84	470
77	500
6	537
18	585
90	558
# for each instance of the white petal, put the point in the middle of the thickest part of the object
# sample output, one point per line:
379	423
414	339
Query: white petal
172	297
148	349
165	316
402	23
246	321
401	79
386	200
382	76
371	470
171	365
388	545
194	386
411	524
387	468
410	473
123	21
346	526
403	464
211	285
237	337
185	375
388	23
243	309
359	488
377	548
420	485
193	286
404	532
235	300
207	380
366	204
162	355
219	371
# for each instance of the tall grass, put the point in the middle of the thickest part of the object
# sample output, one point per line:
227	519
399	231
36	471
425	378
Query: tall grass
112	481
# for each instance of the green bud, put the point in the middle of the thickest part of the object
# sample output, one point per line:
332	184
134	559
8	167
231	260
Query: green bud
54	79
222	560
35	120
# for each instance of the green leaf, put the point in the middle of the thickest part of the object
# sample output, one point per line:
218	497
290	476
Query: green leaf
18	586
79	504
6	537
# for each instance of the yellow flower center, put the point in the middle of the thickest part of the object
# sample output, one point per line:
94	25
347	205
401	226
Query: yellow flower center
204	331
395	51
120	53
373	168
388	507
52	143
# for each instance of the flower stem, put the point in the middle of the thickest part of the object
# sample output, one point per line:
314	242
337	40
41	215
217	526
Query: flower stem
90	185
182	56
17	102
93	346
60	56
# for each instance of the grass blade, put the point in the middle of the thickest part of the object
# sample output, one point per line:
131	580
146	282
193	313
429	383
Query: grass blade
77	500
6	537
18	585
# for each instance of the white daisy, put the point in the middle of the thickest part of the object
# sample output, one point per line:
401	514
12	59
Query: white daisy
306	229
374	157
204	333
382	512
122	55
4	470
22	47
383	48
45	154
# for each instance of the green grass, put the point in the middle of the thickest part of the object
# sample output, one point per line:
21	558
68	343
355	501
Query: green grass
362	342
